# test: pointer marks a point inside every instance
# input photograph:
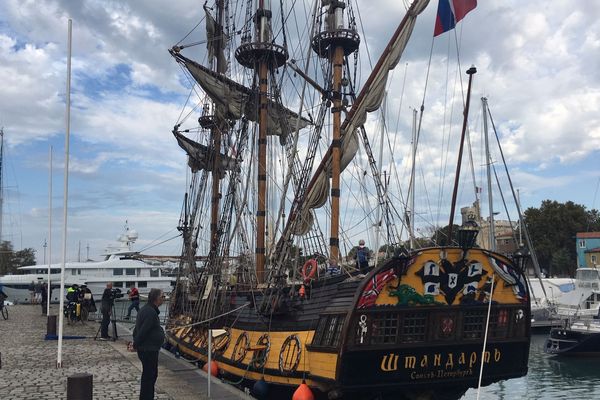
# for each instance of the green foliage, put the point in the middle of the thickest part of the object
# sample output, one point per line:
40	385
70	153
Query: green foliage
553	228
10	259
440	236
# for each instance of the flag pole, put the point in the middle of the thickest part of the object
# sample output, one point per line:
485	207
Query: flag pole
49	289
65	197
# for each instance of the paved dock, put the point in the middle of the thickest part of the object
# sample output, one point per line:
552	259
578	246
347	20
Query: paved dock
28	370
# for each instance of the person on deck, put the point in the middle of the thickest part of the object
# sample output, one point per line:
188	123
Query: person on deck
134	298
148	337
362	257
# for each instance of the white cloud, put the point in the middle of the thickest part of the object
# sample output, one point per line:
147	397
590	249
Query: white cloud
537	65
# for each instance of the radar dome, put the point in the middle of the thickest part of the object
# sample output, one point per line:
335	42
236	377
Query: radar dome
132	234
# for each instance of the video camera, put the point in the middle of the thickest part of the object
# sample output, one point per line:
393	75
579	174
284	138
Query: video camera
115	293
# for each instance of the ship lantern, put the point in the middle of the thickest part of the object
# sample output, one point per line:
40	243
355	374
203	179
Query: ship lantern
521	257
214	368
303	392
467	235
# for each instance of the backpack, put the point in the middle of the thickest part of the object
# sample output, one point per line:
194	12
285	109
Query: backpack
361	255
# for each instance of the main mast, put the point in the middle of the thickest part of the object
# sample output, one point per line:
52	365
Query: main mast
261	55
334	42
216	133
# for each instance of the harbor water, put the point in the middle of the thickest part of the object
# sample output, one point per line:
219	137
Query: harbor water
549	378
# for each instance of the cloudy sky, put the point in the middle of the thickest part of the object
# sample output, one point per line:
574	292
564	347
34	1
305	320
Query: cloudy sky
538	66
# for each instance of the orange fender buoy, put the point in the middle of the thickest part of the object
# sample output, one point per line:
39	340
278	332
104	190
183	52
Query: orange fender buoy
214	368
308	275
302	291
303	393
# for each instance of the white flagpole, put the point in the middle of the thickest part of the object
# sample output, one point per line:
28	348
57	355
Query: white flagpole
49	232
65	197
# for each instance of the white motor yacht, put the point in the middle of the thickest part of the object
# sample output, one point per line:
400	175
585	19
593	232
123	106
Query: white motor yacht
121	266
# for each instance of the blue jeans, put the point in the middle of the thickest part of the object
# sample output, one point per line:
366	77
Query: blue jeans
134	304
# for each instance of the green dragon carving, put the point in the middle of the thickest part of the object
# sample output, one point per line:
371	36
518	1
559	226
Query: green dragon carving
407	295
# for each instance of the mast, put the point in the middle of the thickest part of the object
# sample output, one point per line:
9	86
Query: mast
261	55
411	190
380	162
488	162
221	66
471	71
334	42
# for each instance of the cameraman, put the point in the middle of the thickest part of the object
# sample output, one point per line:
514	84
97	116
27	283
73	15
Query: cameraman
108	300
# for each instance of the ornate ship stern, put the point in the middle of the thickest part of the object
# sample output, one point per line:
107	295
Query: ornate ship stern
419	325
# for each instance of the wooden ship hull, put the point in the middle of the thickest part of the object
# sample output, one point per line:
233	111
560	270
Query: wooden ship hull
413	326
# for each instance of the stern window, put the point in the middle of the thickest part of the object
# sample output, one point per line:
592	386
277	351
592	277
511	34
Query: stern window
329	330
473	326
413	327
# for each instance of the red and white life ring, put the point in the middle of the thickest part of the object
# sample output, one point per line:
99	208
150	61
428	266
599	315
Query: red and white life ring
308	275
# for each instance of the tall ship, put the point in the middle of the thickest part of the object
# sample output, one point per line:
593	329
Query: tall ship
272	148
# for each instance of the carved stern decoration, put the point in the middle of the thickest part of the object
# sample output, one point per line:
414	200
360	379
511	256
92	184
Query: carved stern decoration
421	320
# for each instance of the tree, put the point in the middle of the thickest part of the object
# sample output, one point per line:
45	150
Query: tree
553	228
440	236
11	260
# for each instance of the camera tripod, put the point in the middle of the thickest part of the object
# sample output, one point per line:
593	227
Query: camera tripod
113	322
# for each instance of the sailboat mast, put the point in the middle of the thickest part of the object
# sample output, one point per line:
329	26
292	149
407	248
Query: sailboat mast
471	71
216	135
337	60
334	42
261	212
488	162
261	55
411	222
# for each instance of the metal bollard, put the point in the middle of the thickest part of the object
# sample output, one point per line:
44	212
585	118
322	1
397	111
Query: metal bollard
80	386
51	325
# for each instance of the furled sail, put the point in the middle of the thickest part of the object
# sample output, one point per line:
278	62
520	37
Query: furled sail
214	33
237	100
199	157
369	100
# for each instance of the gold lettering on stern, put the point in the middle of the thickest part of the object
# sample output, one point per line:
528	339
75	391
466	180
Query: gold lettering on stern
448	362
410	362
389	362
497	355
472	359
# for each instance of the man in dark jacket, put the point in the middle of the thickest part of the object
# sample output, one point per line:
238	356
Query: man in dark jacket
108	301
148	337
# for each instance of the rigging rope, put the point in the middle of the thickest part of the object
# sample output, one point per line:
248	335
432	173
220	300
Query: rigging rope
207	320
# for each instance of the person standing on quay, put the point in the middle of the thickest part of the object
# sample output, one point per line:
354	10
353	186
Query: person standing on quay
148	337
134	298
106	309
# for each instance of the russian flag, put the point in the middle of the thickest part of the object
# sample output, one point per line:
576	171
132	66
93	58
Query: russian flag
450	12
